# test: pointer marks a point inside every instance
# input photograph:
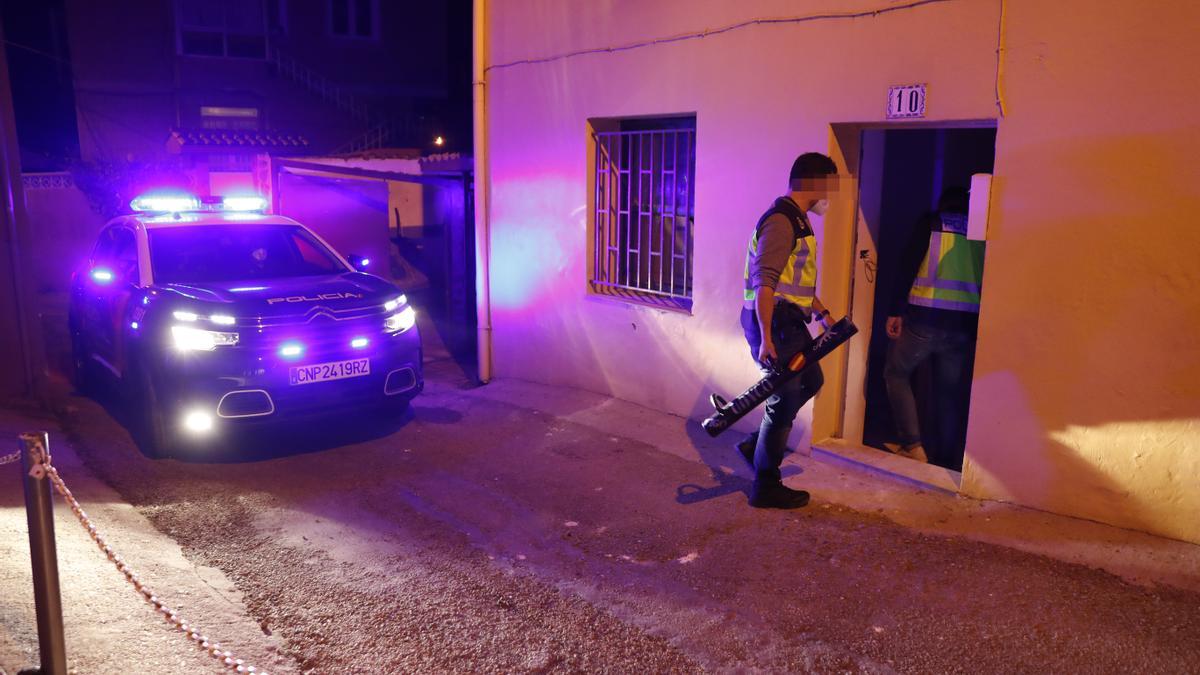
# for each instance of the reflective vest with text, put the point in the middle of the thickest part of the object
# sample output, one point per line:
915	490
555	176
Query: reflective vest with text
951	276
798	279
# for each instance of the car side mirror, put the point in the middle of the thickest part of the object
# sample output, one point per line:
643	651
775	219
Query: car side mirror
360	263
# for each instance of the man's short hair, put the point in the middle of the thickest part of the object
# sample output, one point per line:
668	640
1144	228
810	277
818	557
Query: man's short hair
810	166
954	199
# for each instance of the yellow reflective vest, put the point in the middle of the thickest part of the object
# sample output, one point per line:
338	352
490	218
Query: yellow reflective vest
798	279
951	275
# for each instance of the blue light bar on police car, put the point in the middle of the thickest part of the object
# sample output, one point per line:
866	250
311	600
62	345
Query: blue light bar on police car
244	203
182	202
164	203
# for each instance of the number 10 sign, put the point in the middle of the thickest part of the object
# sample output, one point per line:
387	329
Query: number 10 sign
906	101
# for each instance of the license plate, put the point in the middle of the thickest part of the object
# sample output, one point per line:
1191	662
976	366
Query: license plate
334	370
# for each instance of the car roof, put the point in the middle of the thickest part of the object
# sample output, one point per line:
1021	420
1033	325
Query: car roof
199	219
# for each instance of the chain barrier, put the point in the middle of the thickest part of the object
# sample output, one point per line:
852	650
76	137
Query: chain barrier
9	459
43	468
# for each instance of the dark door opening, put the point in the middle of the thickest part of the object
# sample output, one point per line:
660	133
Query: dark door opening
419	231
912	167
436	259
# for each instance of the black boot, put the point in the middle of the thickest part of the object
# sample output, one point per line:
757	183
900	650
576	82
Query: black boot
770	495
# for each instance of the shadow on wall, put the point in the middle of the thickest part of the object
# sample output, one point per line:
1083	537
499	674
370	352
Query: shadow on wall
1087	384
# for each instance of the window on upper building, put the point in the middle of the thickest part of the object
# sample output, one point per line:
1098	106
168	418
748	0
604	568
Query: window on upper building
225	28
643	210
354	18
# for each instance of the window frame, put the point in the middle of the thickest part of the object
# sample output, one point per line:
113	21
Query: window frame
108	249
625	228
224	32
351	16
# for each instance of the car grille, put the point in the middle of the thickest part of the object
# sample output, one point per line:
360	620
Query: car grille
318	337
316	314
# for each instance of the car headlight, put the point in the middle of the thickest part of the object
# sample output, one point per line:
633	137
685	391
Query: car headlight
394	303
188	339
401	321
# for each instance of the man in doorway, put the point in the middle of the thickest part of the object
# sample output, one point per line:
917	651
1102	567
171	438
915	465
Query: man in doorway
780	299
935	314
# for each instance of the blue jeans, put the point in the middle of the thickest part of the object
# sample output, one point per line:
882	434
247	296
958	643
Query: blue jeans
790	335
953	362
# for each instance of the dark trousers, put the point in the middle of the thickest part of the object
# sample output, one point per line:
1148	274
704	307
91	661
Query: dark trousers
790	334
952	352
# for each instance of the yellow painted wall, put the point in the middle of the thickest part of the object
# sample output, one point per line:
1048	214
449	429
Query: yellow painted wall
1085	399
1087	386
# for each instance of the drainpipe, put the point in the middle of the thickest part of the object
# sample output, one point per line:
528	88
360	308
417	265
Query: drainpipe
483	251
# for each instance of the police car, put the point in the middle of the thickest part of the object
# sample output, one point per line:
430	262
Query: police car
213	316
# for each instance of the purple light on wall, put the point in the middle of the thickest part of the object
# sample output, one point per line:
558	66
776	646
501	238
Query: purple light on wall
529	248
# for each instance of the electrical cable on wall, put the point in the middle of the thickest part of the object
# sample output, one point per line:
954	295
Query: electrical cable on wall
1001	39
724	29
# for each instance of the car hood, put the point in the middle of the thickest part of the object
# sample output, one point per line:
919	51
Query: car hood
291	296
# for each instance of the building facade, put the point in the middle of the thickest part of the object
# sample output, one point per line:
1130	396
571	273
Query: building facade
344	75
630	148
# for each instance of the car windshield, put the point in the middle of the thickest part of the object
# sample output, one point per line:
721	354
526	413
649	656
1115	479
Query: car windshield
207	253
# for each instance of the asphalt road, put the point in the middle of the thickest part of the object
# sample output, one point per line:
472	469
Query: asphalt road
479	535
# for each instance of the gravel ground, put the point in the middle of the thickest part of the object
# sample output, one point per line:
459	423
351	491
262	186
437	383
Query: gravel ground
478	534
108	627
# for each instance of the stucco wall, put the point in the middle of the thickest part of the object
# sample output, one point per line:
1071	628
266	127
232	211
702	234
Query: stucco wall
1085	397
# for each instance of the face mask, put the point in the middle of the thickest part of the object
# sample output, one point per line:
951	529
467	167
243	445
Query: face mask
821	207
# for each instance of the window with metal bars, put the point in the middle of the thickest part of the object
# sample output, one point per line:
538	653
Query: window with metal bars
644	209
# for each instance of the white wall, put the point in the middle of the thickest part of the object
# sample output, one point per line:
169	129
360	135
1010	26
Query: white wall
1086	392
759	101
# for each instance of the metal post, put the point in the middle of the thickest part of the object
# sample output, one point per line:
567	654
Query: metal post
39	510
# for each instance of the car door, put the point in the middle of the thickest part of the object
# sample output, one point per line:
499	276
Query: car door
118	256
92	284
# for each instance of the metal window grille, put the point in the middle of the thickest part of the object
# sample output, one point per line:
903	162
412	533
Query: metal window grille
644	211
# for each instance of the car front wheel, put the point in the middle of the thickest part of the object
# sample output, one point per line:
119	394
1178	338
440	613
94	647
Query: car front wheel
158	437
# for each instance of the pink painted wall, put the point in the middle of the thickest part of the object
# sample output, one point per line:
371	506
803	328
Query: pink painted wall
63	228
1086	396
758	101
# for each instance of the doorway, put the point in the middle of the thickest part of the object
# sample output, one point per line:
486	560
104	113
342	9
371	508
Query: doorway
902	173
